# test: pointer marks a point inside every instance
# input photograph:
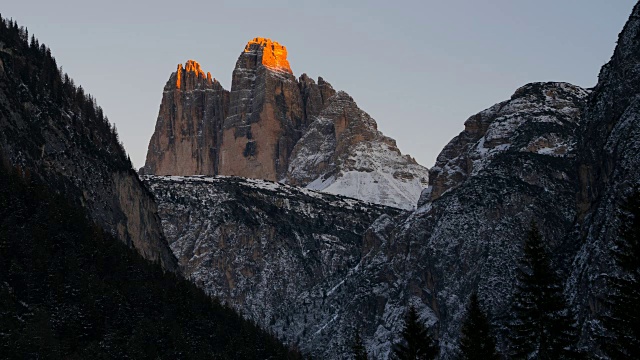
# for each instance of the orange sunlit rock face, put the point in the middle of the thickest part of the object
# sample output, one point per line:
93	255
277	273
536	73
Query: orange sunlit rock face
274	55
189	66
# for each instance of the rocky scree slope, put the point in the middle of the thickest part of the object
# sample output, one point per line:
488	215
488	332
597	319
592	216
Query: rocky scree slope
52	130
277	253
275	127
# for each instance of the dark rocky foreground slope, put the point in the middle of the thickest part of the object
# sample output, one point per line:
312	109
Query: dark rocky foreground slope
609	170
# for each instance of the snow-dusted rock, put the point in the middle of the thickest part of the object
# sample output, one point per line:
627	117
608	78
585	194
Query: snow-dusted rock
466	239
343	153
609	169
187	134
286	257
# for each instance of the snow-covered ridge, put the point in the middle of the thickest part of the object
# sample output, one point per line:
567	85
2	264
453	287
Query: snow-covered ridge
378	175
273	189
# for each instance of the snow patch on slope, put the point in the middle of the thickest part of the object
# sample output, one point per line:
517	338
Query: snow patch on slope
376	173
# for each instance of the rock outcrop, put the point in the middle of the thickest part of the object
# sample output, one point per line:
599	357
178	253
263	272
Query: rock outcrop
273	126
266	115
491	132
188	131
342	152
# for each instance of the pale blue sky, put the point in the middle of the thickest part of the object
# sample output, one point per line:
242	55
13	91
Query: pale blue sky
420	68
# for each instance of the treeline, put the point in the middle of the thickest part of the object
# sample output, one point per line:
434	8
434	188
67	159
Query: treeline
35	74
542	326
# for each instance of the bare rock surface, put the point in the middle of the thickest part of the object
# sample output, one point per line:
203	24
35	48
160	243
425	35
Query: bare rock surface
187	135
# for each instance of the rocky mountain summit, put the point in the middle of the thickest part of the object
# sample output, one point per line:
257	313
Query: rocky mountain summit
275	127
189	124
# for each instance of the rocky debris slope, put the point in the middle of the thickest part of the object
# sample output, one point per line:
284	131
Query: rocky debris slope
277	253
273	126
189	124
51	130
609	169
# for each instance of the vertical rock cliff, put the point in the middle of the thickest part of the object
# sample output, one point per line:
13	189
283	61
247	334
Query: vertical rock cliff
273	126
188	131
266	114
609	170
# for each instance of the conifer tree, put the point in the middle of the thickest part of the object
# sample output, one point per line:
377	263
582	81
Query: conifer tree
476	338
417	343
542	326
624	296
359	351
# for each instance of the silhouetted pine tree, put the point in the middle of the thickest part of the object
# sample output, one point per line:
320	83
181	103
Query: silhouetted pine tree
476	338
624	296
359	351
542	327
417	343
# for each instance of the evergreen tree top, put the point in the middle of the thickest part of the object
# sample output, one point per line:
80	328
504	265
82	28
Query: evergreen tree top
416	342
476	339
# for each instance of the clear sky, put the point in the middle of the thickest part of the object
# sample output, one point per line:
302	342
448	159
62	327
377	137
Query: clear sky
420	68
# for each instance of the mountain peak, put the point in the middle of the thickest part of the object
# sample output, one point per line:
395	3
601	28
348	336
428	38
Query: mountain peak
187	76
271	53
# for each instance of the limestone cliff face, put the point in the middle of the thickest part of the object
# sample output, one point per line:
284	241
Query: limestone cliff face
273	251
315	97
187	135
273	126
266	113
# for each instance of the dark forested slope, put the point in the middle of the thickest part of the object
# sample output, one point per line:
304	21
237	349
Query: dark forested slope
68	289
